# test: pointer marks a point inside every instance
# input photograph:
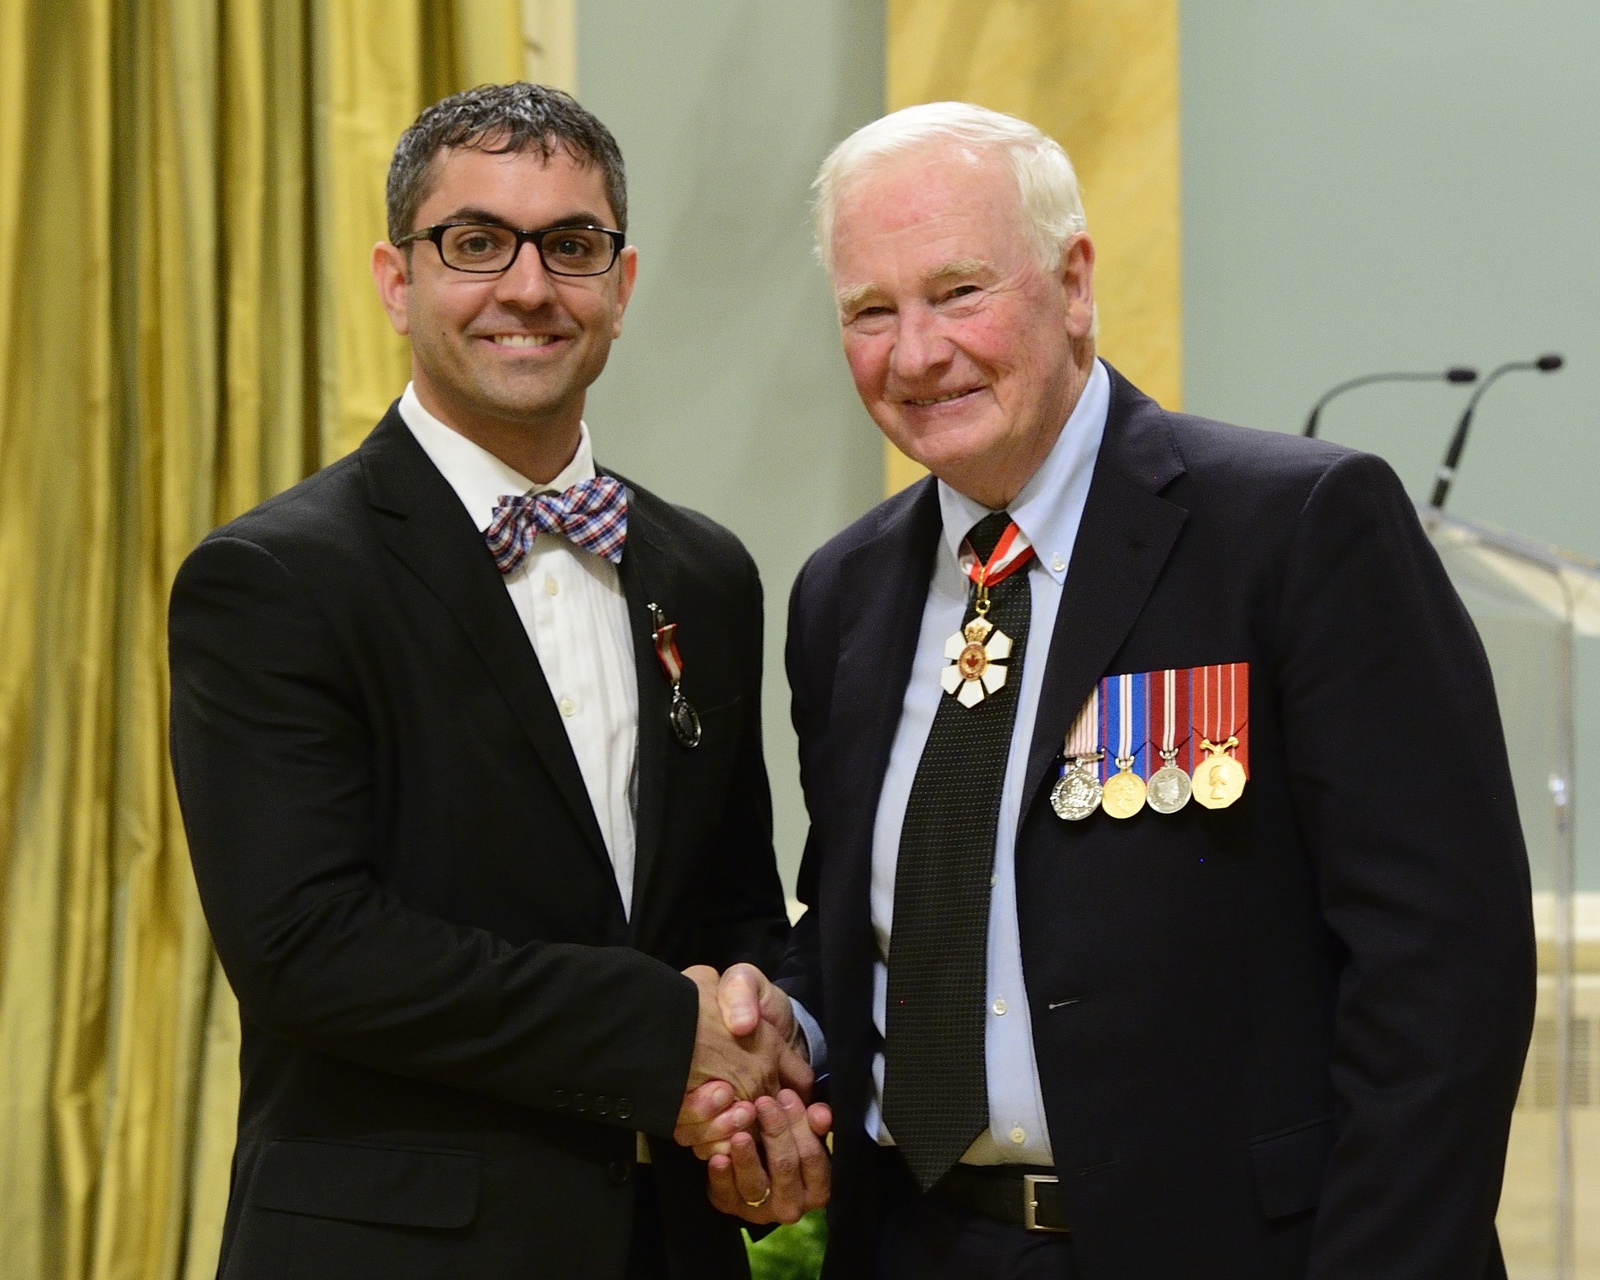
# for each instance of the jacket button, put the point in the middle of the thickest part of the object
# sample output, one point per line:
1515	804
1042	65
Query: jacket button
624	1109
602	1105
617	1172
580	1102
560	1098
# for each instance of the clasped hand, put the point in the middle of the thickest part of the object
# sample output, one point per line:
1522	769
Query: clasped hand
745	1110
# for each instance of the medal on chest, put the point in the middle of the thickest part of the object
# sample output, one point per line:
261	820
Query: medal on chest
1125	790
1222	698
1076	794
1169	787
682	718
980	651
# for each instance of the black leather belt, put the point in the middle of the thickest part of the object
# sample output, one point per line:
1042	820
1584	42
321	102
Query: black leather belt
1023	1196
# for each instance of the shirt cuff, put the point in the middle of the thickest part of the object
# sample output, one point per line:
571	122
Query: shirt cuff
816	1045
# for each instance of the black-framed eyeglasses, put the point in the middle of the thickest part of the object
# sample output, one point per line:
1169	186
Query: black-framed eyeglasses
487	248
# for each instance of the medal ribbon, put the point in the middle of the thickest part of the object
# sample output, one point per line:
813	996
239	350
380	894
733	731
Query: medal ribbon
665	637
1084	738
1222	709
1123	701
1010	554
1169	695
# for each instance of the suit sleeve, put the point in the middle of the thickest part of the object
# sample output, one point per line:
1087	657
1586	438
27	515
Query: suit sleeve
272	753
1400	780
744	917
801	974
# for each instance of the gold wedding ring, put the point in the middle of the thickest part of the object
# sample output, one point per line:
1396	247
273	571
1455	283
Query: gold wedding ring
765	1196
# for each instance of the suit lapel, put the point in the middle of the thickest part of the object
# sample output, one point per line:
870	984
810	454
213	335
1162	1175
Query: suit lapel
429	530
1124	539
883	585
646	572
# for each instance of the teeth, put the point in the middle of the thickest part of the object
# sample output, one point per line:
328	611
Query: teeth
954	395
522	340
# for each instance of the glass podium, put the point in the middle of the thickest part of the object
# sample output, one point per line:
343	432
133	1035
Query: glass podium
1538	611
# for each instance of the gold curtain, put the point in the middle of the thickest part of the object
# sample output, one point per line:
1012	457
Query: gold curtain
188	193
1101	78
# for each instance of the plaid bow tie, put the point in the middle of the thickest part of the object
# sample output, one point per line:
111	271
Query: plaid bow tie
593	515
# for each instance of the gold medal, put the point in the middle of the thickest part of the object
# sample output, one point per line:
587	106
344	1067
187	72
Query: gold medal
1077	792
1219	779
1124	791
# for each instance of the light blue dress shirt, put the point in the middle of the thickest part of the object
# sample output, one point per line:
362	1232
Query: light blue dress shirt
1048	510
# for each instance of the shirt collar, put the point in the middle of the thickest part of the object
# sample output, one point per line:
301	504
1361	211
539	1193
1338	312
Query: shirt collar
479	478
1051	504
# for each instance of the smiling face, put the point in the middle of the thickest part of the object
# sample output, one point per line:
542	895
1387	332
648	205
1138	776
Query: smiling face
966	353
506	359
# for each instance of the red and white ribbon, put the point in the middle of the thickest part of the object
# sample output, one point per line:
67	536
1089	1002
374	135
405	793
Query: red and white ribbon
1010	554
665	637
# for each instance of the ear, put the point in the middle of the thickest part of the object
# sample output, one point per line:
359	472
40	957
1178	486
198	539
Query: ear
627	274
1077	283
391	276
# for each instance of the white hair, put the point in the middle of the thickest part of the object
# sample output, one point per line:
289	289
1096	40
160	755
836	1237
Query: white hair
1047	187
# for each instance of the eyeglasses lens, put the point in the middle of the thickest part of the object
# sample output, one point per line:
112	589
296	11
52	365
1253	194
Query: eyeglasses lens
567	251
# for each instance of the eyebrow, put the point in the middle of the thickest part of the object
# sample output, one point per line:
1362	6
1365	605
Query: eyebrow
471	213
961	267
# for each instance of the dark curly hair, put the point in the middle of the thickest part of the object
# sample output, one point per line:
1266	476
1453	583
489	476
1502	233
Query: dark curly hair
500	118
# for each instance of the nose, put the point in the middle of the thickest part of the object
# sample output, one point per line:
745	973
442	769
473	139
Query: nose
919	347
525	283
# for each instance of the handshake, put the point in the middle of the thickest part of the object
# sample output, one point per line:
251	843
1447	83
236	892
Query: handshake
745	1106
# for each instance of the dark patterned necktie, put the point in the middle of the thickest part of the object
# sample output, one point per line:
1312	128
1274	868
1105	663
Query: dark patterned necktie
935	1095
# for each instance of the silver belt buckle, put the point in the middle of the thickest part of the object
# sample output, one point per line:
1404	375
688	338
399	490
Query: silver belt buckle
1030	1202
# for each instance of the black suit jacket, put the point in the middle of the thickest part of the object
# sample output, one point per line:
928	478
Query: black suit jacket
1281	1039
451	1031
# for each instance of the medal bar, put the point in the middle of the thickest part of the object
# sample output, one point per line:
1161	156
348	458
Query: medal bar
1222	713
1124	698
1169	786
1076	794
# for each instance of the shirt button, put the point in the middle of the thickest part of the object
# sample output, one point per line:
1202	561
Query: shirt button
1058	564
993	880
999	1004
569	706
551	587
1017	1135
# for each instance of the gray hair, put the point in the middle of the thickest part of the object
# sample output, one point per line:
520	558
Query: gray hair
500	118
1046	184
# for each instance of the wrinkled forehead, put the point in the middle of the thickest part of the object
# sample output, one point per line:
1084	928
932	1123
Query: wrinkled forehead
934	191
924	215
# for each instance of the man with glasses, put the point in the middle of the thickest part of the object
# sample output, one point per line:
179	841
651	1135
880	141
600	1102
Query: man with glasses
467	739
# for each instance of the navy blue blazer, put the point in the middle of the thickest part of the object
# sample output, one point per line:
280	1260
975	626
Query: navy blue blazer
1281	1039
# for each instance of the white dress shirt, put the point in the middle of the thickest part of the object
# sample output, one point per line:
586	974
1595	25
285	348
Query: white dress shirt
572	607
1048	510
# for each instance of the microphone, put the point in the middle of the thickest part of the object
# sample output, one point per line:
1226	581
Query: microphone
1457	374
1452	458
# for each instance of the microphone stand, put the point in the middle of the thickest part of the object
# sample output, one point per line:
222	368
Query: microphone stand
1457	374
1452	458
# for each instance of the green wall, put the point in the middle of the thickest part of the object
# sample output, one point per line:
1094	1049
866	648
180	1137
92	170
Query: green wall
728	391
1405	185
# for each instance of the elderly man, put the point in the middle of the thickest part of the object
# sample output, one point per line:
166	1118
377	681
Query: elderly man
467	738
1168	905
